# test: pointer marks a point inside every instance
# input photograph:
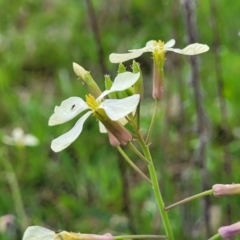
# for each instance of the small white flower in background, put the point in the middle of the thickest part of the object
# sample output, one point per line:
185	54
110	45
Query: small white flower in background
115	109
41	233
19	138
192	49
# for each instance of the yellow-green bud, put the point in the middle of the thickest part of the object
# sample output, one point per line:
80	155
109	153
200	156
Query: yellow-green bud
108	84
138	86
86	77
79	71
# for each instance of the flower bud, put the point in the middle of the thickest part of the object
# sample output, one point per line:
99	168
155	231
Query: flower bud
229	231
79	71
86	77
122	94
225	189
113	140
138	86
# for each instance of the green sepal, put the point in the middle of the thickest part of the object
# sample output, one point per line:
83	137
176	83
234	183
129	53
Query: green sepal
121	68
138	86
108	84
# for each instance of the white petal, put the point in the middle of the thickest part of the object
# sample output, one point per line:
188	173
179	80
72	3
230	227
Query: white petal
142	50
149	44
68	109
17	133
117	109
102	128
123	57
123	121
122	82
8	140
170	43
30	140
38	233
66	139
192	49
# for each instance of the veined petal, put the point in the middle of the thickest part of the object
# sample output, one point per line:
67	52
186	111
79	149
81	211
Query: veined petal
170	43
122	82
117	109
123	57
66	139
68	109
192	49
38	233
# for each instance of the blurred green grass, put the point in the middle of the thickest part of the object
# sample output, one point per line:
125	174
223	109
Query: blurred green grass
88	187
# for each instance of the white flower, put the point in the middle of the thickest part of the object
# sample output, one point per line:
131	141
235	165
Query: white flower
192	49
115	109
18	138
38	233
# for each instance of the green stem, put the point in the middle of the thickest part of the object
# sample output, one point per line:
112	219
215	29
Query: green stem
16	194
138	153
154	116
132	164
158	196
216	236
209	192
139	236
156	189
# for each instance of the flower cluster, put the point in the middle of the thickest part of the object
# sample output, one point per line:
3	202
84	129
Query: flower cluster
107	111
113	108
110	112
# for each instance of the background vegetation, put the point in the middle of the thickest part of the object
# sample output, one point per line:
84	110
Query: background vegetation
88	187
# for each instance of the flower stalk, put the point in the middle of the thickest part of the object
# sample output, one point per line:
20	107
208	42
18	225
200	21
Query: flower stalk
125	156
203	194
154	116
154	180
216	236
158	195
140	237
